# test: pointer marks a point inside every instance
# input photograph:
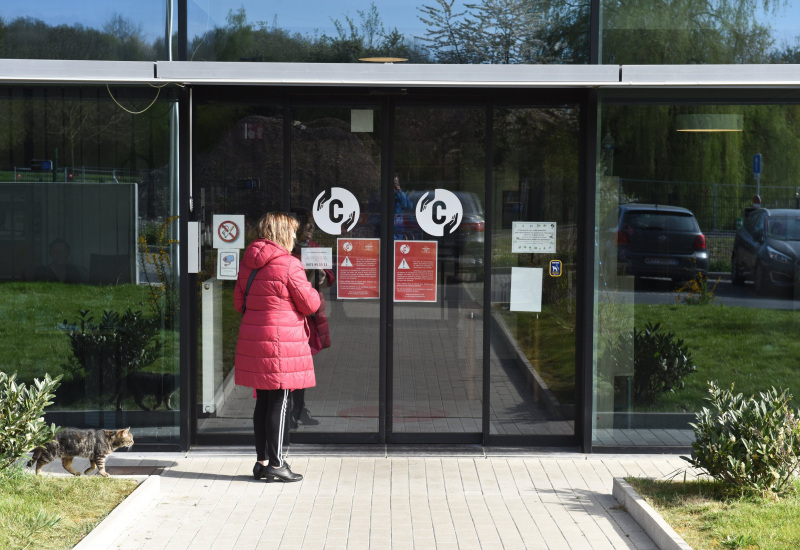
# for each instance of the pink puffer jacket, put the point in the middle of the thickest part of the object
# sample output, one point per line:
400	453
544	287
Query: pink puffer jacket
272	351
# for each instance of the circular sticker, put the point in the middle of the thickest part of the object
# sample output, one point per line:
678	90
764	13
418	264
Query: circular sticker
228	231
336	211
405	249
439	212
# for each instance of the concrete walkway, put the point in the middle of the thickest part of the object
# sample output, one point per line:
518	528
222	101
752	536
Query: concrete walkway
379	499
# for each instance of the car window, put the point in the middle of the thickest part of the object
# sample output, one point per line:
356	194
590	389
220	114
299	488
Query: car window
660	221
753	222
785	228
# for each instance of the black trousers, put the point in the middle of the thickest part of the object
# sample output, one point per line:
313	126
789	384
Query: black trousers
269	423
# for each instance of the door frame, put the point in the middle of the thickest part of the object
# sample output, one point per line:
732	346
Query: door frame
388	100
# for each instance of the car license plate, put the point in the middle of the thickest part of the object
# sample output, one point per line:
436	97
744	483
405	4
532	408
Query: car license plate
661	261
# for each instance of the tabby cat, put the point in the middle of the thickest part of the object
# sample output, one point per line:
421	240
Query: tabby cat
140	384
95	445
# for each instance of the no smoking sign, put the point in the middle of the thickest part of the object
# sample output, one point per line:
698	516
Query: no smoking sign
228	231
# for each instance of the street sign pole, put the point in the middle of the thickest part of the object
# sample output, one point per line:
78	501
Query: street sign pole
757	171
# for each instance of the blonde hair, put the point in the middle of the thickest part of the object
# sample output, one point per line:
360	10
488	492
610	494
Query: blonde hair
279	228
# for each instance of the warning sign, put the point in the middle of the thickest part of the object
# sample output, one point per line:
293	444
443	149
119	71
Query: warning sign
228	231
415	271
358	268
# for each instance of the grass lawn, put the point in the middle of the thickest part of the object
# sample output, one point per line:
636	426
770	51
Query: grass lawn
751	347
706	518
33	338
49	512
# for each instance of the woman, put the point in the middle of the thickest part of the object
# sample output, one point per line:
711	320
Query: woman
272	353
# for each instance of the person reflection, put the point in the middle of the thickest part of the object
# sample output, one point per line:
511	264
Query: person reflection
319	332
401	202
58	269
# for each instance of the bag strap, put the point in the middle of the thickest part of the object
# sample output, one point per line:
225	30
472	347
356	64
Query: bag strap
247	289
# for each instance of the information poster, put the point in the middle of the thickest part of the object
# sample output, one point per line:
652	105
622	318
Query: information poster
227	265
533	237
415	271
358	268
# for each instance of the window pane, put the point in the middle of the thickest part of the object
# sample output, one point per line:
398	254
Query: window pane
345	32
680	305
719	32
533	348
85	29
89	237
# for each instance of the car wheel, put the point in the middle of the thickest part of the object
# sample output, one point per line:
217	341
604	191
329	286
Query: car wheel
736	276
760	280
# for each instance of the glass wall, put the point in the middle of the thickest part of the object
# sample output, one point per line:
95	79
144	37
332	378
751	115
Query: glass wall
86	29
419	32
694	285
534	246
88	236
636	32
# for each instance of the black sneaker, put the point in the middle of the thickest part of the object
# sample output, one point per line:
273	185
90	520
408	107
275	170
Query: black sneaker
306	419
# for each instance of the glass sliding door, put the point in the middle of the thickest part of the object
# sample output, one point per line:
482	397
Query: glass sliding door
397	202
438	191
237	177
534	271
336	194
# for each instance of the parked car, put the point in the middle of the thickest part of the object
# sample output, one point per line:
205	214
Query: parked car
766	250
654	240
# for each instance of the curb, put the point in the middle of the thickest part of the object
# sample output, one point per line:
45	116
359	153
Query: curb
123	515
653	524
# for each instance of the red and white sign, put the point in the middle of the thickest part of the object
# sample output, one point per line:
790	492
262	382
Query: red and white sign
415	271
358	268
228	231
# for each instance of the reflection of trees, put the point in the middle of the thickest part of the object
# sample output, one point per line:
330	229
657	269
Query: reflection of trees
28	38
494	31
241	40
325	153
679	31
647	147
486	31
74	122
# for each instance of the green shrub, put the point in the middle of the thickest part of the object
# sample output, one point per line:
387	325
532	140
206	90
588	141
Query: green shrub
22	425
750	444
122	343
660	361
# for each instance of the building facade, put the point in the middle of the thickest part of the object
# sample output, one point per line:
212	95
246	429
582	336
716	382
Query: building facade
463	173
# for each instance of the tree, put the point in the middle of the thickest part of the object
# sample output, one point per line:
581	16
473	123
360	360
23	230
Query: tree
504	32
445	34
681	31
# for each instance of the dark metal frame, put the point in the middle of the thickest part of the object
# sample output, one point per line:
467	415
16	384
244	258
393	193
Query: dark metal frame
388	100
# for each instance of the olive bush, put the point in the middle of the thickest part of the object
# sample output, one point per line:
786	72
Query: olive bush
22	426
748	443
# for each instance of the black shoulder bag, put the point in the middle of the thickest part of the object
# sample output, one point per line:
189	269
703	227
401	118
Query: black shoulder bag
247	289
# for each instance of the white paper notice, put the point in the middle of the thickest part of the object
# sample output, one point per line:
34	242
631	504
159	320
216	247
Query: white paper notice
316	257
533	237
526	289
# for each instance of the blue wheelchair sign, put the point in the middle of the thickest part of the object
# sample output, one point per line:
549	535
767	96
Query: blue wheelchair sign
555	268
